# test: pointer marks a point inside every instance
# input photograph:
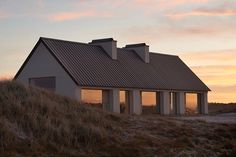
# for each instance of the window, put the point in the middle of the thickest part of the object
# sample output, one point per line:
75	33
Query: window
44	82
124	103
148	98
149	102
92	97
191	103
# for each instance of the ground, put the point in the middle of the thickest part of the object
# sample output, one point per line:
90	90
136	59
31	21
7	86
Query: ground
223	118
38	123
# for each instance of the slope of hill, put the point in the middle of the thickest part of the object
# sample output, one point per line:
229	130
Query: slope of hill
34	122
222	107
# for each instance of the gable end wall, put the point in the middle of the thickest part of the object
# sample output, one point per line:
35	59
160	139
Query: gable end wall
43	64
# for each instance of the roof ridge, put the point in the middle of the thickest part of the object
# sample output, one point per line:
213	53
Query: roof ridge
69	41
164	54
123	49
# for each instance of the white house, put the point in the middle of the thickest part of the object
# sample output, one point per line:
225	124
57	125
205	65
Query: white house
68	67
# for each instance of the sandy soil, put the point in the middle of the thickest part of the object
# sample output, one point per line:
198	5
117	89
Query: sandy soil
229	118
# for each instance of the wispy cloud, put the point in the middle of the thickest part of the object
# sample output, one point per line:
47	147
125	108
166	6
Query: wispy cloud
221	97
203	12
220	79
225	89
164	4
218	70
66	16
3	15
40	3
220	57
215	70
150	6
174	3
223	93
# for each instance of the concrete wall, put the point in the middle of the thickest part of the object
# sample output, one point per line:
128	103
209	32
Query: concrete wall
110	47
142	51
164	103
203	102
180	103
111	100
158	102
173	99
135	102
127	102
43	64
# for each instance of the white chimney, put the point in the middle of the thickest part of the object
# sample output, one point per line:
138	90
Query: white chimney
141	49
109	45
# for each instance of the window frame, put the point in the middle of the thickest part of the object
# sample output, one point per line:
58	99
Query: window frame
50	77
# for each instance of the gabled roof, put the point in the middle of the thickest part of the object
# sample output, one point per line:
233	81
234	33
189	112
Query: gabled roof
89	65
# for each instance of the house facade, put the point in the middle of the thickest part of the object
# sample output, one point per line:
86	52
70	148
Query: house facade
67	68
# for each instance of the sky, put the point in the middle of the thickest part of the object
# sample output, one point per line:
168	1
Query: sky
201	32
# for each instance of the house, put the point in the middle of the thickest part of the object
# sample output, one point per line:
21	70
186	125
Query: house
67	67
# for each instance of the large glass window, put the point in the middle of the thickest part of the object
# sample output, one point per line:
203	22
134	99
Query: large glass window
44	82
191	103
149	102
123	102
92	97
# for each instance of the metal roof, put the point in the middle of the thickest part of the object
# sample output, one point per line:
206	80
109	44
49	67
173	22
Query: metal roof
89	65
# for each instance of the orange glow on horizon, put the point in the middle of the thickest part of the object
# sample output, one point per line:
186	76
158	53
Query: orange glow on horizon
91	96
6	78
148	98
217	69
191	100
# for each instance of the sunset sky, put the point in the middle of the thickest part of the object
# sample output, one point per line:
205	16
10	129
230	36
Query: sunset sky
201	32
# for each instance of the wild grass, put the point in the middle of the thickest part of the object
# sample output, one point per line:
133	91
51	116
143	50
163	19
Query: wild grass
35	122
38	117
222	107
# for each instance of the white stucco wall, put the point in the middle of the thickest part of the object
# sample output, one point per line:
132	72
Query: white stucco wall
43	64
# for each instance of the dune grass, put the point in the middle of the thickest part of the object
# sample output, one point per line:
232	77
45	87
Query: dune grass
35	122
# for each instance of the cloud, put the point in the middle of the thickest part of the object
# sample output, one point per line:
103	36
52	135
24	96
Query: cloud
145	6
220	57
66	16
40	3
203	12
192	30
174	3
3	15
216	75
215	70
221	93
221	97
220	79
224	89
161	4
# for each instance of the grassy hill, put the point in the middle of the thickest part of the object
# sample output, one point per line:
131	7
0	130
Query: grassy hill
34	122
222	107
